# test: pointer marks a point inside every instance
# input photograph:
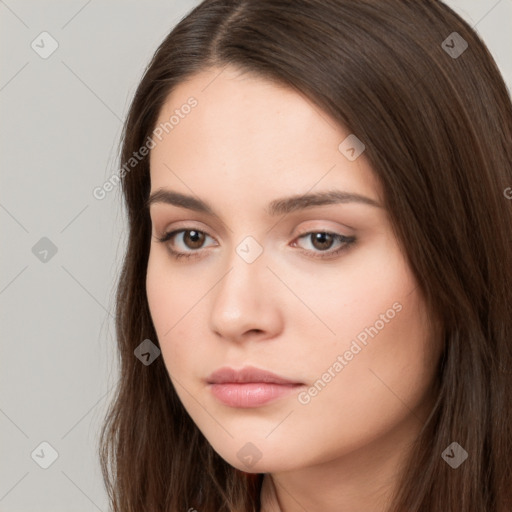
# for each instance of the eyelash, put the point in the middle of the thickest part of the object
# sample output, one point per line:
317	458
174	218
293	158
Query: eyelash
347	242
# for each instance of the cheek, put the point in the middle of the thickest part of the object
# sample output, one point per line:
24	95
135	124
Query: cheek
173	297
382	378
161	294
382	334
345	300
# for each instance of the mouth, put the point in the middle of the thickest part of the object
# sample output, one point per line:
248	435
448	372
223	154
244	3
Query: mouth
249	387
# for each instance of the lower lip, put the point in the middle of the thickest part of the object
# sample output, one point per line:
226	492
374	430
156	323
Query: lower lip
251	394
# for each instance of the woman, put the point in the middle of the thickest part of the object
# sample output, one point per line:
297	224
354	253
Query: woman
315	307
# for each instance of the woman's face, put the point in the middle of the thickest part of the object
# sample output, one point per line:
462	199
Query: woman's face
317	292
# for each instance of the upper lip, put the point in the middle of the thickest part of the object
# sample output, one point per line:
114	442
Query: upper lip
246	374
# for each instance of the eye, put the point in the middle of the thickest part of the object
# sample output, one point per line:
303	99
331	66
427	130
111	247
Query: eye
322	242
193	237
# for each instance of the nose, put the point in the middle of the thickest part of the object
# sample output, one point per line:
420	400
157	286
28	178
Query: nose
245	303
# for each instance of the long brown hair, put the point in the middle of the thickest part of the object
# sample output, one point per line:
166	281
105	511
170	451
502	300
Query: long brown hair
436	119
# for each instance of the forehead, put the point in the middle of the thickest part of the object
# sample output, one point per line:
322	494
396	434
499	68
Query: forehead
252	135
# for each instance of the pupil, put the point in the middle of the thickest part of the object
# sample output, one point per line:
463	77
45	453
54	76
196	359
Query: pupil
195	236
320	237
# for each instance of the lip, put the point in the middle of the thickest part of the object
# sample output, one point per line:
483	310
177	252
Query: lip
248	387
247	374
250	394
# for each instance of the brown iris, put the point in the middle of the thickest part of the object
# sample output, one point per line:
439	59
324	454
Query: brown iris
322	239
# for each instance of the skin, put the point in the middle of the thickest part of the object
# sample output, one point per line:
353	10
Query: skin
247	142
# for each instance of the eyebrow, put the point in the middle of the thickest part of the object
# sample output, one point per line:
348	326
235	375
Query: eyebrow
276	207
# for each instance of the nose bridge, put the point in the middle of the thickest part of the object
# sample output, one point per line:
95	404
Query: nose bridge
243	300
247	266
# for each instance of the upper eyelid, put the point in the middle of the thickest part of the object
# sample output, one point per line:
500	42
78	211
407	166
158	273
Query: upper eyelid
224	228
187	226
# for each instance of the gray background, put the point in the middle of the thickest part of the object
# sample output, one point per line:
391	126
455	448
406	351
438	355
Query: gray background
61	120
